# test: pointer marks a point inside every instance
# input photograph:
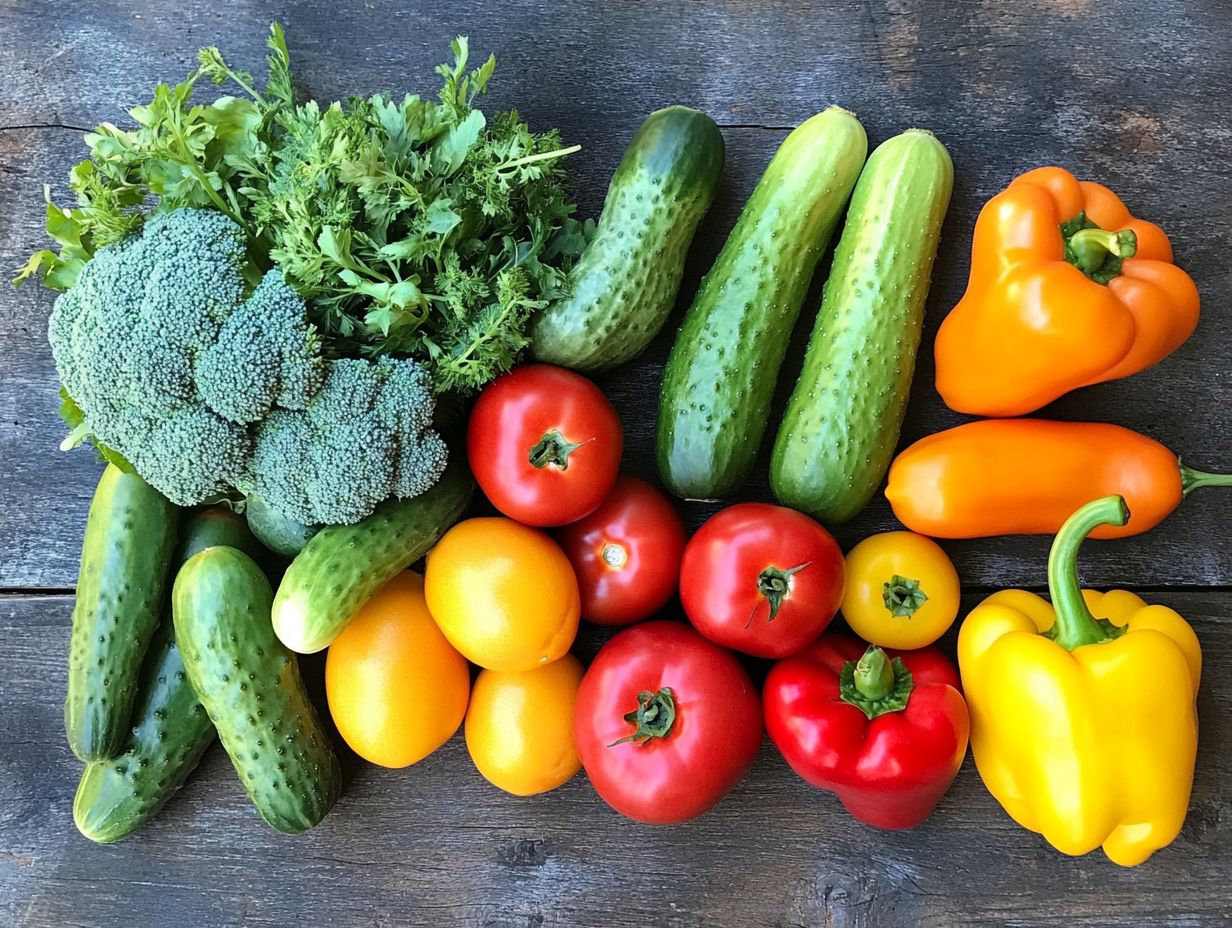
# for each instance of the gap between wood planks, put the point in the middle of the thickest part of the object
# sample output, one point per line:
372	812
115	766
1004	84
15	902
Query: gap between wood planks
52	125
59	125
977	589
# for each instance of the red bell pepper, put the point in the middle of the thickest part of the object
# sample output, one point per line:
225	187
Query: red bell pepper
885	731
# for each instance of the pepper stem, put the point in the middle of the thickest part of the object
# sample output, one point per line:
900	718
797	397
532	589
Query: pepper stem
553	448
1074	625
903	596
1094	251
1193	479
774	583
875	684
874	676
654	717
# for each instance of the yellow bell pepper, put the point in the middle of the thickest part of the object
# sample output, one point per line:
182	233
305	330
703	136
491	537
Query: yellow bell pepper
1083	728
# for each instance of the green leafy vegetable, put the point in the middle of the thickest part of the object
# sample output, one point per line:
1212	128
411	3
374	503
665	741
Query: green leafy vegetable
411	227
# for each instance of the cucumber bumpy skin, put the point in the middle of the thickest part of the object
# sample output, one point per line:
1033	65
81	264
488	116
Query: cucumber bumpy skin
125	559
842	422
281	535
624	286
171	729
720	377
251	687
343	565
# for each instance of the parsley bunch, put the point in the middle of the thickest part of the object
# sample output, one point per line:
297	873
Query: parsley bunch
411	227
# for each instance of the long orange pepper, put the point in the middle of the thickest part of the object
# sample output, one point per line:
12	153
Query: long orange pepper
1027	476
1066	289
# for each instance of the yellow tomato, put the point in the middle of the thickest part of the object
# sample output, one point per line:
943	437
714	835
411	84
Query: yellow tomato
902	590
503	594
396	688
519	727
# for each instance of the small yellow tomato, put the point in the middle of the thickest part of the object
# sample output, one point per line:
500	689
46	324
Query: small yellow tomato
902	590
396	688
519	727
504	594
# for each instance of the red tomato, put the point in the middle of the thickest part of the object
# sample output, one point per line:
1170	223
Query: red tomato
544	444
626	553
666	723
762	579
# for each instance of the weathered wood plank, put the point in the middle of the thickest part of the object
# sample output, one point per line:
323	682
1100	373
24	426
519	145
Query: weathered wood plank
435	844
1137	108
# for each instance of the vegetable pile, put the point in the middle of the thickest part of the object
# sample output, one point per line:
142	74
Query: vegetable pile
263	302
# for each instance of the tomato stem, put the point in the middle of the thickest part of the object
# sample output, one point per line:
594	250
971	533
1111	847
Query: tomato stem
903	596
553	448
774	583
654	717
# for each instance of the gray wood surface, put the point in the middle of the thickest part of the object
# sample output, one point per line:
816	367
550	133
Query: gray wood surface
1133	94
435	845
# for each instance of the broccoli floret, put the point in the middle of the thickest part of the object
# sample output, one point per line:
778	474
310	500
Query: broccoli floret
363	438
265	355
205	386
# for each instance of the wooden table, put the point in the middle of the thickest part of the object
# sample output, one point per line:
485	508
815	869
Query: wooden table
1134	94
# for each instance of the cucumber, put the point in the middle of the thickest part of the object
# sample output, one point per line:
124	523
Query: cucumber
842	421
250	685
129	539
279	534
624	285
343	565
720	376
171	729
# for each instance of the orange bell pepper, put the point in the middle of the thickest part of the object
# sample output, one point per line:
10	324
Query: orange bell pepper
1067	289
1027	476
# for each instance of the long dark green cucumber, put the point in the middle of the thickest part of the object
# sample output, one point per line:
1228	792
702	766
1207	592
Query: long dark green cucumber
624	286
719	380
841	425
129	539
170	729
251	687
343	565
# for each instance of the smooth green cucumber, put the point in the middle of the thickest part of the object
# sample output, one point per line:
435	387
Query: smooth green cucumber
251	687
720	377
624	286
343	565
281	535
170	729
842	421
129	540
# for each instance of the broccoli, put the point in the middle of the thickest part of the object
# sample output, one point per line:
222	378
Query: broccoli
363	438
207	384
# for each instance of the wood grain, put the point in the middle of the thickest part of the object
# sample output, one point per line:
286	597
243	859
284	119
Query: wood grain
985	79
436	845
1134	94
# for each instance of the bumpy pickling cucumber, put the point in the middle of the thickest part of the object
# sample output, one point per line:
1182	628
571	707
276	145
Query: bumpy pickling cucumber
129	540
841	425
721	374
283	536
624	285
170	727
343	565
251	687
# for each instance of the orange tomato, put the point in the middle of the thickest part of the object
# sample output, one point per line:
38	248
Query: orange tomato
504	594
519	727
396	688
